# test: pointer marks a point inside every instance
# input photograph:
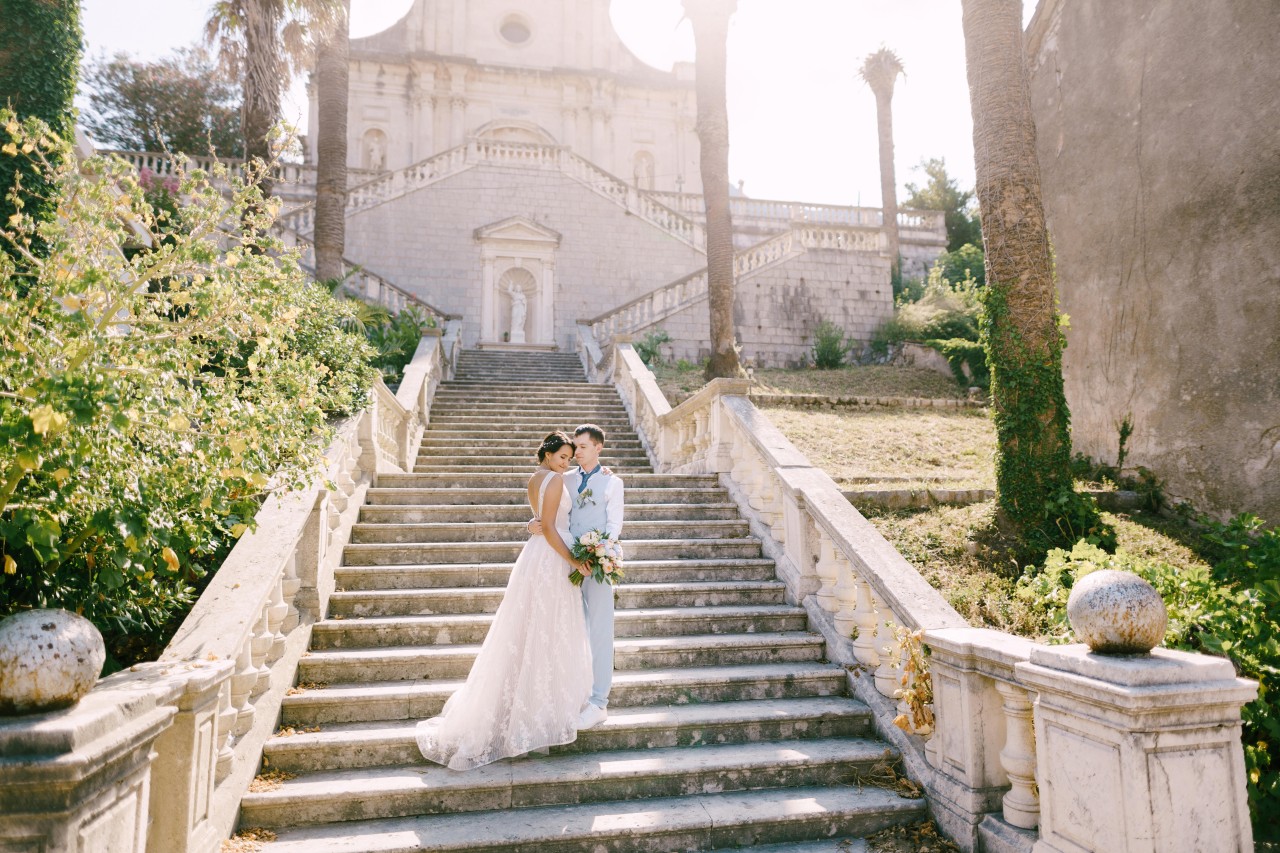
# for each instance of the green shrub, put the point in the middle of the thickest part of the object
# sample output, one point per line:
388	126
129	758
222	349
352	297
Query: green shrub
395	339
649	347
962	353
965	263
1231	609
830	346
945	311
150	400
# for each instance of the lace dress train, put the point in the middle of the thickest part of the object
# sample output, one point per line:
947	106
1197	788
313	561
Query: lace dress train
533	672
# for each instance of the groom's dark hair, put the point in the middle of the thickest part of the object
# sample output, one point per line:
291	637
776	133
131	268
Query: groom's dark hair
597	434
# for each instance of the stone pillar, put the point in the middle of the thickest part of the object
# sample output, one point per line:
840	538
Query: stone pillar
488	306
545	331
1138	753
182	778
80	779
457	121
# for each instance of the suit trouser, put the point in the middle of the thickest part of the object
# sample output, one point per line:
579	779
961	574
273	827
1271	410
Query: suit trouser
597	605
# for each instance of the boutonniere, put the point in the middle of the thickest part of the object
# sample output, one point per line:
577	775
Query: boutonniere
586	496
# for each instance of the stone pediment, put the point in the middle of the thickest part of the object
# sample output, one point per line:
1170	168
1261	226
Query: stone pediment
517	229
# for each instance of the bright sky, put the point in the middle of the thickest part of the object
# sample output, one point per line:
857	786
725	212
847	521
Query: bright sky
802	124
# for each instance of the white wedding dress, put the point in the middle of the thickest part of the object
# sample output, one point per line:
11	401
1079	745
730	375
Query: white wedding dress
533	673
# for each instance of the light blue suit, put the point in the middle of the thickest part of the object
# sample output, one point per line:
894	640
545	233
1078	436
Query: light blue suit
598	507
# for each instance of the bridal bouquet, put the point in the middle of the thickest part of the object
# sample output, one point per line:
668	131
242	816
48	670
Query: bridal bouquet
602	554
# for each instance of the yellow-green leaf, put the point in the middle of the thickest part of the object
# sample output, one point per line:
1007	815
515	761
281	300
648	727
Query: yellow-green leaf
179	423
238	530
131	542
45	420
170	558
10	149
61	475
10	565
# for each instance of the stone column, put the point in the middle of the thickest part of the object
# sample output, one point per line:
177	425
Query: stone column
1138	753
80	779
488	308
545	333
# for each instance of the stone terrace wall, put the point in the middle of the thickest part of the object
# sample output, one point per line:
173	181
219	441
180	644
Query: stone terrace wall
1157	134
777	309
425	243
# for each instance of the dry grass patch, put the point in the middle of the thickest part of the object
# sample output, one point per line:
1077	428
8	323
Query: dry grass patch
895	448
957	551
856	381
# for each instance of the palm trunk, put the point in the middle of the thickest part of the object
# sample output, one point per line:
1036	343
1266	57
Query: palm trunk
888	181
331	151
1024	343
710	19
262	82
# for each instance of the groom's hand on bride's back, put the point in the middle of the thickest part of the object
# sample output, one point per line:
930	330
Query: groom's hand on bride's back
534	527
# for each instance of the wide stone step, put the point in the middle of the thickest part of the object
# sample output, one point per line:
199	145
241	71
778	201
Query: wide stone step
514	423
389	743
619	467
528	438
483	403
393	553
697	822
464	496
425	788
428	602
495	513
434	443
483	454
445	629
562	393
508	531
525	459
405	700
678	482
455	661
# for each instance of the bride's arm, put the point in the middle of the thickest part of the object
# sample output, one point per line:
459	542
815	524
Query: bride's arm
550	504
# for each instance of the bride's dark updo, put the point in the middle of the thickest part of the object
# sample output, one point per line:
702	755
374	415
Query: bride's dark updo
553	442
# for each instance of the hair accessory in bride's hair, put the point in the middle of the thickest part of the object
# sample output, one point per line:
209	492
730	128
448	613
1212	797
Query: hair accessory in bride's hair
553	442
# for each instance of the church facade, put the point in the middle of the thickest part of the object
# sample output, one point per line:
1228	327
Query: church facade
530	174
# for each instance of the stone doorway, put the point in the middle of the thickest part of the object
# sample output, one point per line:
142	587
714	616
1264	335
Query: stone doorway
518	262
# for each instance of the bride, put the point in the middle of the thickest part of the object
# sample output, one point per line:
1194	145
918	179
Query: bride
533	673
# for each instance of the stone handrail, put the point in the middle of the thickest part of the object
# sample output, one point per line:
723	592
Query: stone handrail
365	284
301	175
477	151
1027	738
786	213
158	758
667	300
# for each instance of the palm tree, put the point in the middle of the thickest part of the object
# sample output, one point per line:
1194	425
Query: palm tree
331	148
265	42
880	70
1021	329
710	20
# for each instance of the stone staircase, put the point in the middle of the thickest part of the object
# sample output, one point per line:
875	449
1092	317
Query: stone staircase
726	729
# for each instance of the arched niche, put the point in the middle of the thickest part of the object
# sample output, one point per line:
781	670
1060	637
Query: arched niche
518	262
510	130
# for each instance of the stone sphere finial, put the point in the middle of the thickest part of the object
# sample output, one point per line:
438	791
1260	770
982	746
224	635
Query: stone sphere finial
48	660
1117	613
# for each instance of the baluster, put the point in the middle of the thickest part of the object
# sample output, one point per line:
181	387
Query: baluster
776	509
227	720
260	646
888	677
826	570
846	594
242	684
1018	757
289	587
277	610
864	619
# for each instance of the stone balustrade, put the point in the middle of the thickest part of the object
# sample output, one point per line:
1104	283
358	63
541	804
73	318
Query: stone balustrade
1051	748
157	758
649	309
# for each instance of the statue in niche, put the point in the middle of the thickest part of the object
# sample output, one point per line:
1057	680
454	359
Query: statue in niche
519	310
375	148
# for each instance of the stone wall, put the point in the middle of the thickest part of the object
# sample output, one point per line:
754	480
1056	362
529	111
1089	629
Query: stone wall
777	309
1157	135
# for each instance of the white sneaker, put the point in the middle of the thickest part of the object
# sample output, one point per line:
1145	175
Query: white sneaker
591	717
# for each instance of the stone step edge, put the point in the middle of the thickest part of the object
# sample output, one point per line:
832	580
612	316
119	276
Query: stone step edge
332	787
704	821
624	614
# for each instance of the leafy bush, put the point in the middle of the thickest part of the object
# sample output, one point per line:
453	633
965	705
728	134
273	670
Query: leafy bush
649	347
961	354
830	346
150	399
395	339
966	263
1232	609
946	311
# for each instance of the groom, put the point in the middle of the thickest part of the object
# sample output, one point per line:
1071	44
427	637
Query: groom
597	505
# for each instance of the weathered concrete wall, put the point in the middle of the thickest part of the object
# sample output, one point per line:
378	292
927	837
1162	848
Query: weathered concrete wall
777	309
1158	127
